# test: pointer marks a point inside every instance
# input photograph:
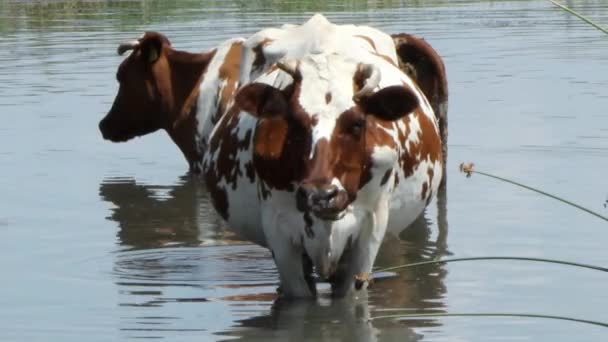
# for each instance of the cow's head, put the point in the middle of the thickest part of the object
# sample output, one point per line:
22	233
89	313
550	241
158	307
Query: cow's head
158	87
326	135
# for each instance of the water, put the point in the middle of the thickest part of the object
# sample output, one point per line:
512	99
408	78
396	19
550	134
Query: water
106	241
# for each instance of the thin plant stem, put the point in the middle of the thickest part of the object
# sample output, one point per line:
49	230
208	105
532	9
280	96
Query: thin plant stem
580	16
468	169
491	314
552	261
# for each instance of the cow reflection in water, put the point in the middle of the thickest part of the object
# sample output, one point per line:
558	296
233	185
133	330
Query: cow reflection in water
152	216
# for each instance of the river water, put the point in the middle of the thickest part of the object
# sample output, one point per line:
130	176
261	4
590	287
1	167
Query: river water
109	242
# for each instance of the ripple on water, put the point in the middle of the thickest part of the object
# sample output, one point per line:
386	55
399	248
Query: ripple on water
243	265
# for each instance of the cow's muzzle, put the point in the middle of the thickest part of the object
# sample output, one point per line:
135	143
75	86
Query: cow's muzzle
326	202
109	131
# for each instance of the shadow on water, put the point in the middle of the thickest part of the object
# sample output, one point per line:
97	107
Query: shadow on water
202	265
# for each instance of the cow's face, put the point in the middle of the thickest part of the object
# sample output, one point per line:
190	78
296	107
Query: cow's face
140	105
325	136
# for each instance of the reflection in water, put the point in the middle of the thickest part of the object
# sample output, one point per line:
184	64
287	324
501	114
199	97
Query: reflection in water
324	320
155	216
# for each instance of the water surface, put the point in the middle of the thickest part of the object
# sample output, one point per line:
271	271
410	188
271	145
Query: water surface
106	241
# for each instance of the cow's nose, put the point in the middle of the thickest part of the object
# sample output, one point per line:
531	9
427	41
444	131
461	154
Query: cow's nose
316	197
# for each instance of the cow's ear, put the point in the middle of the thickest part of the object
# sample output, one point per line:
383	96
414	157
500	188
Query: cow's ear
152	46
390	103
422	63
262	100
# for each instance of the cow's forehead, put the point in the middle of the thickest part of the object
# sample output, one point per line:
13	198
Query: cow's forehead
327	85
326	91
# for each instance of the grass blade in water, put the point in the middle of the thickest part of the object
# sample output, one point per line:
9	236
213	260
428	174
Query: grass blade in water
580	16
523	315
441	261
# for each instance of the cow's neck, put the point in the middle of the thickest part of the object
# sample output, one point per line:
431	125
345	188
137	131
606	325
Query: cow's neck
187	73
184	136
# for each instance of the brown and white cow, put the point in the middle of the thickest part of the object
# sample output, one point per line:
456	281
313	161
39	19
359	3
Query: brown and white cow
329	144
336	134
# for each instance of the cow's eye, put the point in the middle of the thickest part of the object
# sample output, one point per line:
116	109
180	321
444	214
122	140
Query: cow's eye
357	127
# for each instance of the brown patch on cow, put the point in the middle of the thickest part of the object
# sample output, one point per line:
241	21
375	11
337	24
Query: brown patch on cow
430	173
386	176
327	97
283	143
227	167
260	60
368	40
374	137
428	147
271	134
425	188
229	73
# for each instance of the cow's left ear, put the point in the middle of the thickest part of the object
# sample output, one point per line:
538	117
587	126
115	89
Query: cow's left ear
262	100
390	103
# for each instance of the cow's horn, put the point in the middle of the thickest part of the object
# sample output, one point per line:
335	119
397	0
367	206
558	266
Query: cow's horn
371	74
125	46
290	67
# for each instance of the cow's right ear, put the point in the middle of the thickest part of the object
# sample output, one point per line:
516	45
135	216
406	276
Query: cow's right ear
262	100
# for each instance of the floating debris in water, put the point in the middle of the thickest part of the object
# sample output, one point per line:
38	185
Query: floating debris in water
466	168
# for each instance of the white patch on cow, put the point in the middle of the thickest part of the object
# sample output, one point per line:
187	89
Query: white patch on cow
384	156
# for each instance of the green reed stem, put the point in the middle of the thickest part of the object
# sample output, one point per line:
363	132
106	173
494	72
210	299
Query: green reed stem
580	16
561	318
552	261
470	170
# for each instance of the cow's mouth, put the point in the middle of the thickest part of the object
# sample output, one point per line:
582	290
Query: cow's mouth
329	214
110	131
112	134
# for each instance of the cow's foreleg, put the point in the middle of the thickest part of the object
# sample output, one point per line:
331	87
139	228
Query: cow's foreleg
294	270
356	273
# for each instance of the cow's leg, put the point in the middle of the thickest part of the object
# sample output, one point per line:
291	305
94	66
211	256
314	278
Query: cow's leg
357	270
294	270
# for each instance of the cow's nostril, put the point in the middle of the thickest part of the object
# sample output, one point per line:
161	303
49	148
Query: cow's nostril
328	192
302	195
